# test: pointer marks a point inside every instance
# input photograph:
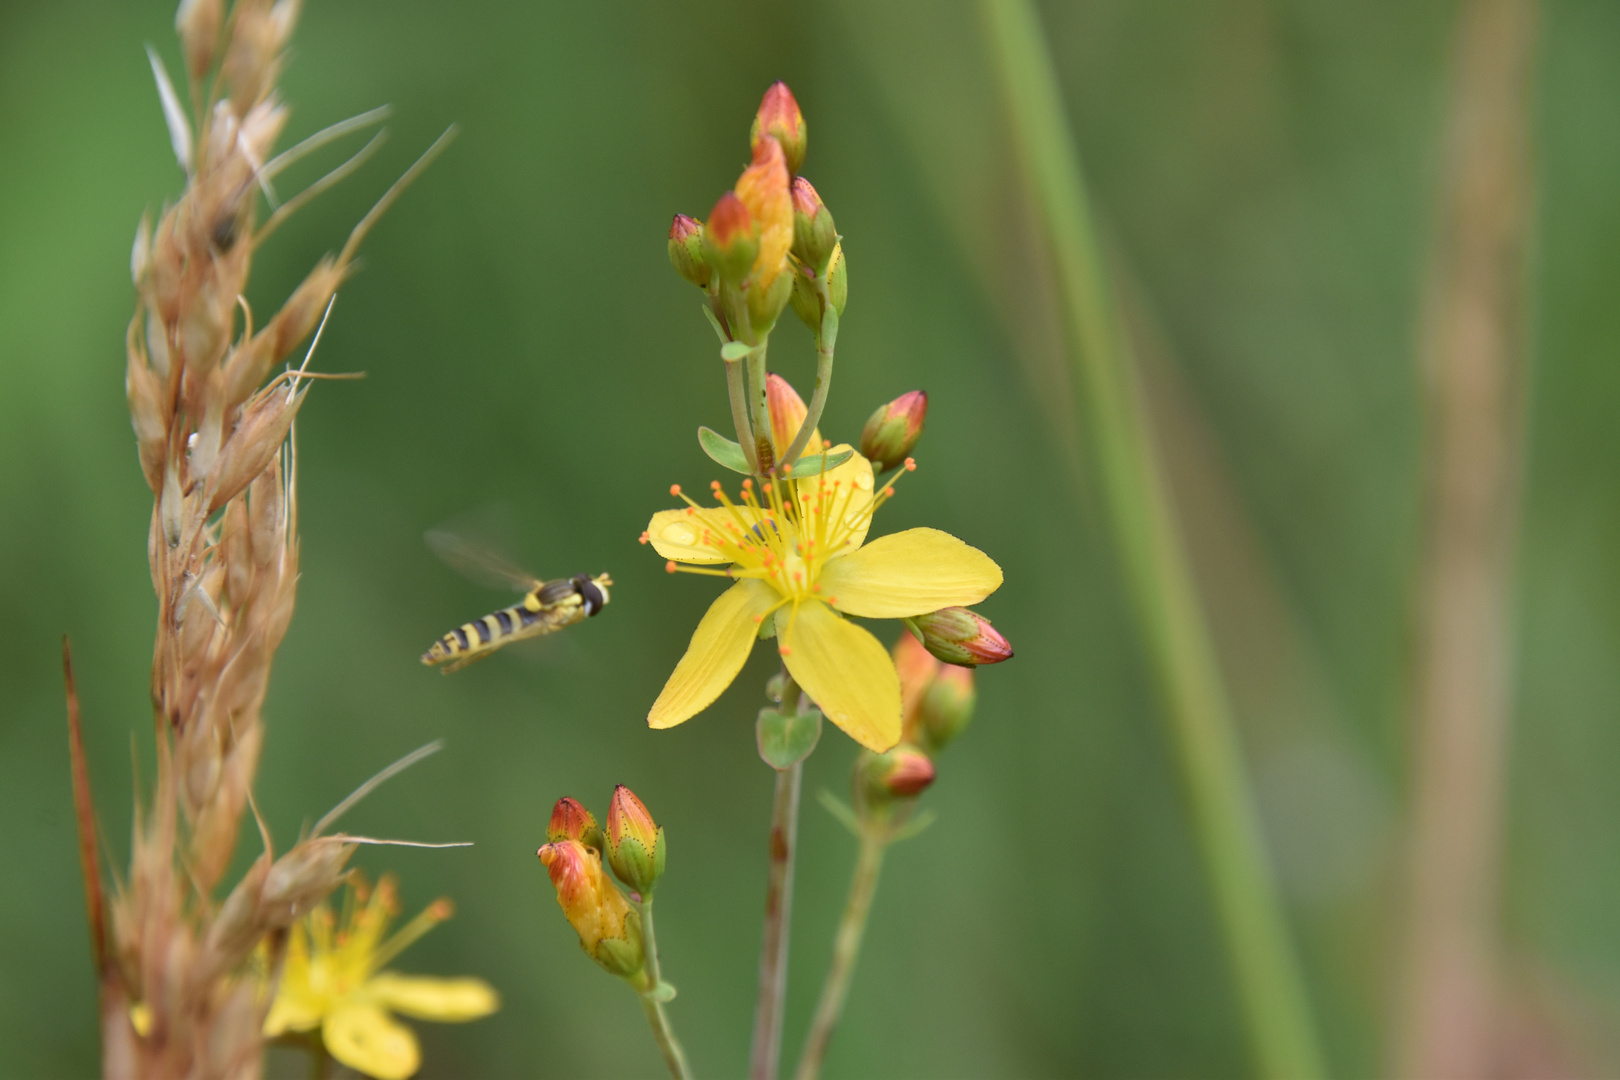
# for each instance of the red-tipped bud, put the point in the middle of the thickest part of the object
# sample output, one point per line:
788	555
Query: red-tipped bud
893	430
787	411
947	707
962	637
609	930
901	773
763	188
814	234
571	821
779	115
686	250
635	843
729	243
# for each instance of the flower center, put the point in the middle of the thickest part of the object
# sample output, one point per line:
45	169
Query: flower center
782	532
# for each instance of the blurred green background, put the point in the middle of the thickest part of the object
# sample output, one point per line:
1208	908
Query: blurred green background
1265	170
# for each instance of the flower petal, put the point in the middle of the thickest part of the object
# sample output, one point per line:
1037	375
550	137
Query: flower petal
365	1038
848	488
434	999
845	671
720	645
909	573
680	534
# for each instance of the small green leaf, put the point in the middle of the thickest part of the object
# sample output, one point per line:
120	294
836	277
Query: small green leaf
786	740
663	992
723	450
734	350
719	331
810	466
913	827
840	810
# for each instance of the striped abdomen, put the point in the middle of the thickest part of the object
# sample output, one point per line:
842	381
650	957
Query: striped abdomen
527	619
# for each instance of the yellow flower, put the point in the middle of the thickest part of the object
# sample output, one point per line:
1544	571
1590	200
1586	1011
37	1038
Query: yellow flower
798	554
331	981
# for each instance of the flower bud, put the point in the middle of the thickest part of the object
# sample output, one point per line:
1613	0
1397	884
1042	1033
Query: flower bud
729	243
609	930
814	235
893	430
779	116
838	279
571	821
635	843
767	297
686	250
806	301
787	411
917	669
946	708
901	773
962	637
763	188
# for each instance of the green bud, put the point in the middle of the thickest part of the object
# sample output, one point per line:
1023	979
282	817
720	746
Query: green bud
686	250
814	234
635	843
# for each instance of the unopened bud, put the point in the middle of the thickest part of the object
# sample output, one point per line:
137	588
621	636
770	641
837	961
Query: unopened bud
686	250
814	235
729	243
838	279
635	843
763	188
946	708
571	821
917	669
779	116
893	430
962	637
901	773
609	930
787	412
767	296
806	300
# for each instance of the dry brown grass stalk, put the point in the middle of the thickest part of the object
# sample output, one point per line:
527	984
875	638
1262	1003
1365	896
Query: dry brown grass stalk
183	992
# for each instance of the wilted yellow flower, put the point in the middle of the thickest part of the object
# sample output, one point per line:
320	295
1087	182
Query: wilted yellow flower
332	980
798	551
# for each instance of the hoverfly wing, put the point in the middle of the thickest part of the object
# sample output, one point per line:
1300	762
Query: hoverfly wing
478	563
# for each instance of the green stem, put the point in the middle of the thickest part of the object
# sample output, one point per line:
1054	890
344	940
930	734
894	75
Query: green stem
826	339
846	948
759	404
1270	988
674	1056
738	392
766	1050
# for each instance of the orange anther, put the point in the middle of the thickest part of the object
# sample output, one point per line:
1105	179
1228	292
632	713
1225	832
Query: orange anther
783	649
674	489
669	567
644	538
889	491
832	600
911	464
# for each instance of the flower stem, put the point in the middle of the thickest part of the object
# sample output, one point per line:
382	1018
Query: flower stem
846	948
773	956
826	340
674	1056
1158	579
739	412
758	402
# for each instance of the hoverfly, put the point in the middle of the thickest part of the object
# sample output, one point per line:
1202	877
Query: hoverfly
548	605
